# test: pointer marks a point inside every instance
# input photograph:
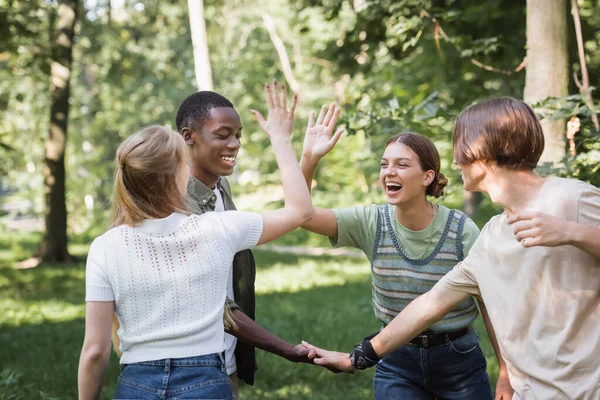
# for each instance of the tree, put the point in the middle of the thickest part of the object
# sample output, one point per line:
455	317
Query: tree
547	71
200	44
54	244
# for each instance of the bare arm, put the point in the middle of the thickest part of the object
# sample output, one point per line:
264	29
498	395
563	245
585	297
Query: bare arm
250	332
95	352
504	390
318	141
422	312
297	203
539	229
585	238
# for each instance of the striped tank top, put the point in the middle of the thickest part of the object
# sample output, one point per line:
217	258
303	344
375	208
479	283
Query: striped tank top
398	280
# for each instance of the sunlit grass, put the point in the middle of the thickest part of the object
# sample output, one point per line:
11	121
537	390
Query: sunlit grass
324	300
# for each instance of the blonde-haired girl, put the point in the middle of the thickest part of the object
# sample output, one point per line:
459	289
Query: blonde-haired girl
164	272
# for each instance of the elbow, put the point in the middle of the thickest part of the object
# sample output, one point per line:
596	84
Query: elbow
305	215
432	309
95	354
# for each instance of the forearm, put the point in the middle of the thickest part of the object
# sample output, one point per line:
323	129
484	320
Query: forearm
585	238
296	196
492	335
91	376
248	331
308	166
414	319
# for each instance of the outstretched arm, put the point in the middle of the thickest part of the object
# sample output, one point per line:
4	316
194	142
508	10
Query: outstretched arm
248	331
424	311
538	229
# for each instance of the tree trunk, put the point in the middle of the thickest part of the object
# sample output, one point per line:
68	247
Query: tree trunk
547	71
54	245
200	43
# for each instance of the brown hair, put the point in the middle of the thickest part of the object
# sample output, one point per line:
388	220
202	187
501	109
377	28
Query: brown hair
146	176
504	130
429	158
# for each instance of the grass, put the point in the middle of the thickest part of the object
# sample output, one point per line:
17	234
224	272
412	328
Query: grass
324	300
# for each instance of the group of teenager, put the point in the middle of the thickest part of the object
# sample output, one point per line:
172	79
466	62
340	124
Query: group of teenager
175	273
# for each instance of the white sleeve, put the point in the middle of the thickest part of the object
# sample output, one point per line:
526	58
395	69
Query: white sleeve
242	229
97	284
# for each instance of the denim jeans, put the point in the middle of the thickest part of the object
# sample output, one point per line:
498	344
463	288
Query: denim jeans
201	377
455	370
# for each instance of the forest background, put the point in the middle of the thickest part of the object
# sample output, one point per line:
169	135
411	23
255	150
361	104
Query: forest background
78	77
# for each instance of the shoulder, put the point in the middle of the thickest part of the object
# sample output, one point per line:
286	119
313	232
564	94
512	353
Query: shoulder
494	223
100	244
359	213
105	239
568	188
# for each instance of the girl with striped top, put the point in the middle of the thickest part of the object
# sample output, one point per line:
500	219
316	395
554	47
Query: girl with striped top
411	243
164	272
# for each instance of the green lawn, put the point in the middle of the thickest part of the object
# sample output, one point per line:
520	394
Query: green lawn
324	300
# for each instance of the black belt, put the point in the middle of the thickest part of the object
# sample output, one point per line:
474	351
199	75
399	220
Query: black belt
429	339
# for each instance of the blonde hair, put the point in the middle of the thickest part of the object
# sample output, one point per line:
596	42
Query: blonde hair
145	187
146	176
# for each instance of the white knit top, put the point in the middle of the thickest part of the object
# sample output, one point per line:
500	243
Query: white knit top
168	279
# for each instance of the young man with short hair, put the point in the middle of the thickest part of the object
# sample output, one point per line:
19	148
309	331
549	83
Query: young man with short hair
543	301
212	129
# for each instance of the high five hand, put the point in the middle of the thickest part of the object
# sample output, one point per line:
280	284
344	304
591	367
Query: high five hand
319	138
280	122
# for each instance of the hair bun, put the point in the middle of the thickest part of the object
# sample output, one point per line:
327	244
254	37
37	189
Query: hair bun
436	188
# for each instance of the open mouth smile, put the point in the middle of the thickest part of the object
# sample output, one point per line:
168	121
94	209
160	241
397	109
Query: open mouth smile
392	187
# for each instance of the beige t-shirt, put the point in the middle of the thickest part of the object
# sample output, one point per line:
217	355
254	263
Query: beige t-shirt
544	302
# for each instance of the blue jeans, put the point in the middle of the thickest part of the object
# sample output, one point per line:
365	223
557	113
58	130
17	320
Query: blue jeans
201	377
455	370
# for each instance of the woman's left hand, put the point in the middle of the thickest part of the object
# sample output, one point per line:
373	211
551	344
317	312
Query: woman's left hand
319	138
326	358
504	390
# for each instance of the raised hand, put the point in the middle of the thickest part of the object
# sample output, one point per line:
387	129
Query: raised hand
280	121
319	138
329	359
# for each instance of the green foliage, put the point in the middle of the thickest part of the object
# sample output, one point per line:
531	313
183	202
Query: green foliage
585	164
393	65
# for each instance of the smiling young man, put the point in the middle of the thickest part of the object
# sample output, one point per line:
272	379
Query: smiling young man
212	129
543	301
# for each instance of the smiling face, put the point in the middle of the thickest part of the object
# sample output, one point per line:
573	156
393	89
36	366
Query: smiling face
401	175
215	145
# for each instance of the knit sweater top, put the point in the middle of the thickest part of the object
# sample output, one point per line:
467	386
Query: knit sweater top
168	279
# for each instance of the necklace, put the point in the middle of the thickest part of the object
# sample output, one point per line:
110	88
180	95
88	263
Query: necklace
434	210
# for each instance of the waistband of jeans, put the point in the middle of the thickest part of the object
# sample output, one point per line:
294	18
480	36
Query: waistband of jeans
207	360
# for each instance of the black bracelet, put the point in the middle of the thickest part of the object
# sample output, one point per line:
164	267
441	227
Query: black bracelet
363	356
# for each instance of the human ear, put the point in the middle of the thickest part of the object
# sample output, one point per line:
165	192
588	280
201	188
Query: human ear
429	177
187	134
